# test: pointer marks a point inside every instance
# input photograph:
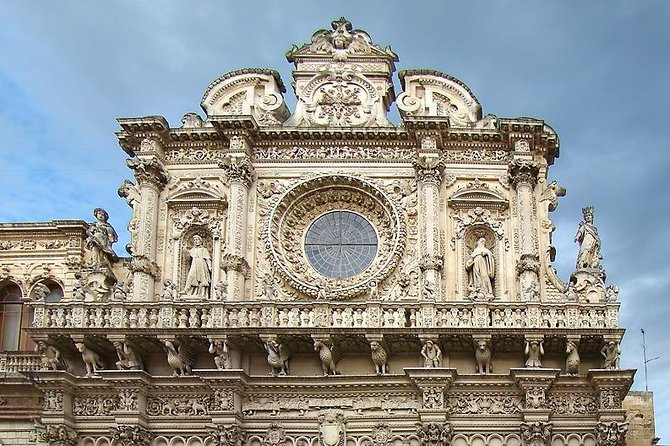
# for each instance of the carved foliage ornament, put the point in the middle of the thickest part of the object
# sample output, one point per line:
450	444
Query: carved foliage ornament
522	171
340	97
537	433
293	213
149	171
223	435
58	435
340	43
611	434
131	436
436	434
238	169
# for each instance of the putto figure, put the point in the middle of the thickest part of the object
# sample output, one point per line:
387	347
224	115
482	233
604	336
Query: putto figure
200	272
100	236
589	242
481	271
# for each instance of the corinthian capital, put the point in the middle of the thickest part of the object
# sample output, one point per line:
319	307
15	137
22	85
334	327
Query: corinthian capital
238	169
149	171
523	171
537	433
131	436
611	433
223	435
429	169
58	435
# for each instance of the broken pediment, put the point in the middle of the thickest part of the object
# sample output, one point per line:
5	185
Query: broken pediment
435	94
249	92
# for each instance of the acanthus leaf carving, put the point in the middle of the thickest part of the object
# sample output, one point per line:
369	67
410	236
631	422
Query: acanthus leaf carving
537	433
611	433
435	434
126	435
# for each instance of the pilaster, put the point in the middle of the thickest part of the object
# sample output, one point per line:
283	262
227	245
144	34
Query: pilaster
433	383
612	387
429	168
239	174
535	383
151	176
523	177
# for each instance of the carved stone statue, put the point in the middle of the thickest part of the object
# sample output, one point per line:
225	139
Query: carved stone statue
51	358
169	290
534	351
328	358
91	359
40	292
128	358
611	353
278	357
379	358
572	361
100	236
432	355
219	349
589	242
483	357
481	271
200	272
179	358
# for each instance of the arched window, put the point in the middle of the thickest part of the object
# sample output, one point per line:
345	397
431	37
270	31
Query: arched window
11	316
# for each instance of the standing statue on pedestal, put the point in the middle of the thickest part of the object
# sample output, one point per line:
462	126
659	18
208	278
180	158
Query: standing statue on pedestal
481	271
589	242
199	274
99	239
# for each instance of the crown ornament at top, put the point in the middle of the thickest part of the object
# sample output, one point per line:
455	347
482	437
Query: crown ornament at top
340	43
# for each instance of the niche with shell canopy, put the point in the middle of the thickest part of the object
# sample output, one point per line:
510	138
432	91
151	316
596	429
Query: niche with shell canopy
196	207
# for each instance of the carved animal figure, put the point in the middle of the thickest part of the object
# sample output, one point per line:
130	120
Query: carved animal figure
278	357
483	357
327	358
91	359
572	361
379	358
179	359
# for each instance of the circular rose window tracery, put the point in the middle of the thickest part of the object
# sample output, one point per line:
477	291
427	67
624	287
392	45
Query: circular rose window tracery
303	215
340	244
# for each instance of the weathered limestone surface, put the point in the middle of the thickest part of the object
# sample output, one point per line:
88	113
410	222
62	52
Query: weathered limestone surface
320	276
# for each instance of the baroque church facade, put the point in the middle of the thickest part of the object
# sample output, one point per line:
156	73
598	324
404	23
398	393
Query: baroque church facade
319	276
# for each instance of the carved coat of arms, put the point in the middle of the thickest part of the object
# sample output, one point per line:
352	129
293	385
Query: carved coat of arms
332	428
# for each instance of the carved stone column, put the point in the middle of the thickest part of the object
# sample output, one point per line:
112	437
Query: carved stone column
239	173
523	177
151	177
429	167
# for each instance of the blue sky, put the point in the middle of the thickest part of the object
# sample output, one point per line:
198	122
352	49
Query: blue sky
596	71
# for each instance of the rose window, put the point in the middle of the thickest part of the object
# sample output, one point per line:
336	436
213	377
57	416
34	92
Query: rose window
340	244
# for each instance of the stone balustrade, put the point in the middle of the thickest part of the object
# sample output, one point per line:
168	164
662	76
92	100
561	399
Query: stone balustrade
15	362
224	315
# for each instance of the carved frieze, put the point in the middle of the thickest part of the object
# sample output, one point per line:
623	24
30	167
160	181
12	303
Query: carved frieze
98	405
568	403
477	404
344	152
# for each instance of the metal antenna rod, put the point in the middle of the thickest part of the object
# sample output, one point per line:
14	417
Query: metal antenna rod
646	361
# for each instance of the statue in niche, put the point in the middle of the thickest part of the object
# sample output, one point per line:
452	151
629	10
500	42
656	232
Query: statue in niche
534	351
128	358
589	242
432	355
611	352
481	271
199	273
99	239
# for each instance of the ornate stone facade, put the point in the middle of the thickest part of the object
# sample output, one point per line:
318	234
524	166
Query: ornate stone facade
295	277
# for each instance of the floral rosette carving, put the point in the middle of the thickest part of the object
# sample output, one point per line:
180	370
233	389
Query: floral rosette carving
294	212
